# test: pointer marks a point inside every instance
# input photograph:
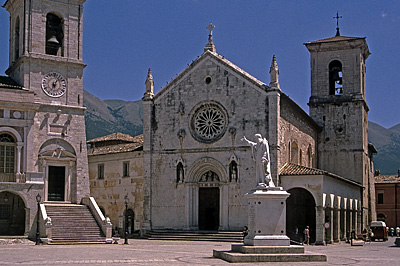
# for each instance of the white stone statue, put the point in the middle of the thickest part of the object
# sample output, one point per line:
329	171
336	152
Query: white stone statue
260	151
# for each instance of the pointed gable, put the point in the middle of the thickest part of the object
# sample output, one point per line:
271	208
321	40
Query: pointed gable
218	60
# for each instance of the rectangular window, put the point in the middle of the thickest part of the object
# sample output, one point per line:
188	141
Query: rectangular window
125	169
100	171
380	198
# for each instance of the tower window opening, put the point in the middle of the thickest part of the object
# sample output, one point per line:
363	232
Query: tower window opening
54	35
16	39
335	78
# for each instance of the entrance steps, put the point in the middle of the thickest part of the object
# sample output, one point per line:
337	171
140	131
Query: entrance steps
73	224
214	236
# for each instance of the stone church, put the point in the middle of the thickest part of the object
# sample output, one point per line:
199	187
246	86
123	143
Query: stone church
43	157
197	170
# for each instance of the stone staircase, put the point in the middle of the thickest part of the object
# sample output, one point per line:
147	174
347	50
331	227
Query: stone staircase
73	224
214	236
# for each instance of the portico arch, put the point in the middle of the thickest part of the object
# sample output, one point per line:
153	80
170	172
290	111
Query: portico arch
300	212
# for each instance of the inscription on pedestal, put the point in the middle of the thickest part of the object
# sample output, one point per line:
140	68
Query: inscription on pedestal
252	218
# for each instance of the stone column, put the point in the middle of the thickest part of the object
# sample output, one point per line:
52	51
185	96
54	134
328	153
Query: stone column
344	224
336	225
319	225
329	234
19	147
355	221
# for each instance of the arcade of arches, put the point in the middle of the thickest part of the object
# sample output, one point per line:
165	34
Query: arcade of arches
331	222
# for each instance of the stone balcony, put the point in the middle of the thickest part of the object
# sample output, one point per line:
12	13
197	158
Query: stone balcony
29	177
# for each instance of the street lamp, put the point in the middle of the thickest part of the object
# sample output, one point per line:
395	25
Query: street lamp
38	199
126	219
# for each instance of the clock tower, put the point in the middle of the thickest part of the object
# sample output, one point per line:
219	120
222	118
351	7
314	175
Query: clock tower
45	60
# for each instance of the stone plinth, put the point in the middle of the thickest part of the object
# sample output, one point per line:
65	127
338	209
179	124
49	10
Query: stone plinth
267	240
242	253
267	217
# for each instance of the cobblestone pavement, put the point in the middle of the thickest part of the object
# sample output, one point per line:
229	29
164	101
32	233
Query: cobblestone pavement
171	253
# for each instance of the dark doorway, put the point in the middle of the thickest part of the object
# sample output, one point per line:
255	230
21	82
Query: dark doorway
208	208
12	215
56	185
130	219
300	212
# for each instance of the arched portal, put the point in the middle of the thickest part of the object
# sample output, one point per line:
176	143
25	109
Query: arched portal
209	203
12	214
300	212
207	195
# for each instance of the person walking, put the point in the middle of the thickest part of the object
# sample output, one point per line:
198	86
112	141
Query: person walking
307	235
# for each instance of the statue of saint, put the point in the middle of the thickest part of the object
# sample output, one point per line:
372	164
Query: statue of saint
260	152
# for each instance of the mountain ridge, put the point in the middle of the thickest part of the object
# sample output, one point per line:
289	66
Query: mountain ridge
104	117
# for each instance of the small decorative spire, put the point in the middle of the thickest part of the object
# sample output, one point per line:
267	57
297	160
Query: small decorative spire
149	86
337	23
210	45
274	72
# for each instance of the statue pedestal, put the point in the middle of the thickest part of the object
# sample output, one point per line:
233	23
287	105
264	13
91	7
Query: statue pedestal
267	240
267	217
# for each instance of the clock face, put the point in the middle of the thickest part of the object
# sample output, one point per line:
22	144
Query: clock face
54	84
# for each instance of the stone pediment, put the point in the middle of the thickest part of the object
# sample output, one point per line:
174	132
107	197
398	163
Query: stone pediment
57	154
209	57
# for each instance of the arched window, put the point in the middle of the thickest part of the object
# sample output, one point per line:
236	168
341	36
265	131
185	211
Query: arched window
54	35
16	39
7	157
294	153
309	157
335	78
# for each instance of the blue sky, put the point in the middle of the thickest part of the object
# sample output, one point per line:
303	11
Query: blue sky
123	38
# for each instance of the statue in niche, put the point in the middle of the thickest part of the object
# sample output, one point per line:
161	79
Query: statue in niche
233	172
260	152
180	173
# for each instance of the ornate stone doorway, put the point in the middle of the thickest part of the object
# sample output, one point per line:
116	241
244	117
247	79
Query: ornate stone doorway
300	212
12	214
56	185
209	208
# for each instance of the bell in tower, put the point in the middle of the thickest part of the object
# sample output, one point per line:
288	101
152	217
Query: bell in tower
54	35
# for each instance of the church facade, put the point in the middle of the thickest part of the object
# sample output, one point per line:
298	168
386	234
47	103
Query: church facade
42	126
197	170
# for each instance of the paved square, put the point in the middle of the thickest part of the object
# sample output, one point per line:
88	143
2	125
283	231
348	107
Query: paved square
154	252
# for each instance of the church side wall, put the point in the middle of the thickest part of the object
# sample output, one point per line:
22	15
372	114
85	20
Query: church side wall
296	129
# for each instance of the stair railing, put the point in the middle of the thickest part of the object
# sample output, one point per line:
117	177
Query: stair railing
104	222
47	230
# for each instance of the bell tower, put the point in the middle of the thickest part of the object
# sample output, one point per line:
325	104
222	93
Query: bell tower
45	59
338	104
45	53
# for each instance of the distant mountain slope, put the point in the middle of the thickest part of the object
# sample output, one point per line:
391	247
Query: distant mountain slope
387	143
111	116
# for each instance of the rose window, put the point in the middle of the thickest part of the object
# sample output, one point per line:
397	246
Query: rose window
209	122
